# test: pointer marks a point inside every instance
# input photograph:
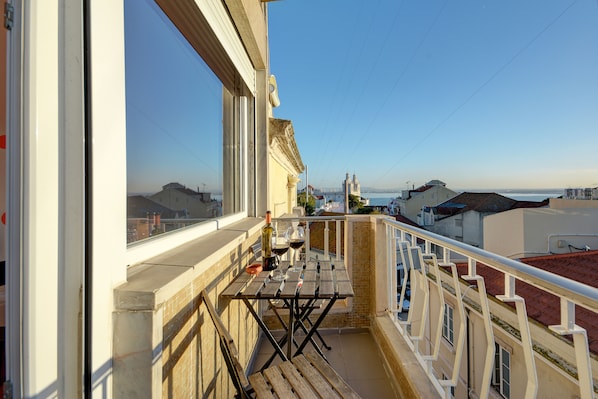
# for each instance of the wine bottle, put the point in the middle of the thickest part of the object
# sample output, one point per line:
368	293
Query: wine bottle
267	230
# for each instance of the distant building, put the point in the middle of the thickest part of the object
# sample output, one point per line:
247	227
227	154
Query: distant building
429	195
545	231
587	193
354	187
285	166
196	204
334	200
462	217
146	217
320	201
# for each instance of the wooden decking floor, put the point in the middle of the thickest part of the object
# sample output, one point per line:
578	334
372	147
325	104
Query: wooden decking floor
355	356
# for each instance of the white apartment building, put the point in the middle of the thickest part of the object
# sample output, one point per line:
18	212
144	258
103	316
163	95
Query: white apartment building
541	231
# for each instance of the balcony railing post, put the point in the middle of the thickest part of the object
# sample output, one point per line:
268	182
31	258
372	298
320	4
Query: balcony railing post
526	337
307	241
391	254
446	255
339	225
432	262
509	285
326	239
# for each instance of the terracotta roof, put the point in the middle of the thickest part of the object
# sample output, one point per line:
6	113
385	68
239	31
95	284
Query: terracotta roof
421	189
483	203
532	204
545	307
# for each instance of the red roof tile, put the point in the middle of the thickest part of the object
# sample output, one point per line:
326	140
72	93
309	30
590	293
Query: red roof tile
545	307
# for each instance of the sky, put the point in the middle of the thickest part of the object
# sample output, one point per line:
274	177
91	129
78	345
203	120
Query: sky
174	107
479	94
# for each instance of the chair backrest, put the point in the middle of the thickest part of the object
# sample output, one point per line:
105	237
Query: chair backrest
229	351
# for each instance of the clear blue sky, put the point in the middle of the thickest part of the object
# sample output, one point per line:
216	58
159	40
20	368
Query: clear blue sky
479	94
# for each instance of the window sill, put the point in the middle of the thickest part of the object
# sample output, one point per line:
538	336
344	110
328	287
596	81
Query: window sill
152	282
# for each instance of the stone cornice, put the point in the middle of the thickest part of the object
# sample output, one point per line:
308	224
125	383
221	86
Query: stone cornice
283	146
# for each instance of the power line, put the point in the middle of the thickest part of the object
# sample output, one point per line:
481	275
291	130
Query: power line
329	137
400	76
480	88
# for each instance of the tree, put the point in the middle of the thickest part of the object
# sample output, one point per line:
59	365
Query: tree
309	205
354	202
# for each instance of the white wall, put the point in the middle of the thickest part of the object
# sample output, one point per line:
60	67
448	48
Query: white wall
560	203
539	231
473	228
431	197
448	227
504	233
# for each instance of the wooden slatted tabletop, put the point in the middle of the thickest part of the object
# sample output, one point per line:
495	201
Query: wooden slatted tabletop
321	280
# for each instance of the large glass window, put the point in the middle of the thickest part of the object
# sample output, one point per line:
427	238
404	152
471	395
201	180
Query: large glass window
184	128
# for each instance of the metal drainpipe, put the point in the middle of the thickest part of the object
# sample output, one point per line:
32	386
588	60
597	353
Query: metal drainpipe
87	275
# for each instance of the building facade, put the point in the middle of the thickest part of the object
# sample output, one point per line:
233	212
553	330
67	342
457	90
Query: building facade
430	194
285	166
541	231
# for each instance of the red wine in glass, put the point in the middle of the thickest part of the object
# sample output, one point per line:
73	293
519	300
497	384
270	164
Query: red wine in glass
296	243
280	249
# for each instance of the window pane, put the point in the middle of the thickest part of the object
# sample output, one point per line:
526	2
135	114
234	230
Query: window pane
177	113
496	374
448	324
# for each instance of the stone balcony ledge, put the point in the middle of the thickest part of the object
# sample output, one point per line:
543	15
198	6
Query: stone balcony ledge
152	282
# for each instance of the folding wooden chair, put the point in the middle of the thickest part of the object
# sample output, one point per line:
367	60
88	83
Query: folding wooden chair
305	376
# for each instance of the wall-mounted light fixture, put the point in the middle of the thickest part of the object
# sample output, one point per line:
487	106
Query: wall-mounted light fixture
274	100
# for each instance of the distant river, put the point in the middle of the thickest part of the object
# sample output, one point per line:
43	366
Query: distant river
384	198
380	198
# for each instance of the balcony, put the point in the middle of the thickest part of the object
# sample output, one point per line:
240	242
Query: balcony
423	301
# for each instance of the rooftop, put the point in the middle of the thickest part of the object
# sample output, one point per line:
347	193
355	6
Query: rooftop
543	306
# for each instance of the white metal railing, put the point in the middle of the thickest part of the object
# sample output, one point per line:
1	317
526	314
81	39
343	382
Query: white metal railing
323	251
413	248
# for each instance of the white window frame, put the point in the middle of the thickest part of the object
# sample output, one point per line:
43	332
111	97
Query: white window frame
502	363
448	324
219	21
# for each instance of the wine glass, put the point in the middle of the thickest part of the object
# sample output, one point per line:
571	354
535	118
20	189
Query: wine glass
280	246
296	241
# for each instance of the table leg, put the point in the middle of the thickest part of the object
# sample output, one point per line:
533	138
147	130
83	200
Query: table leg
304	315
291	331
315	326
267	332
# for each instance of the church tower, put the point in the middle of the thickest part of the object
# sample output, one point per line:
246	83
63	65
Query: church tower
352	186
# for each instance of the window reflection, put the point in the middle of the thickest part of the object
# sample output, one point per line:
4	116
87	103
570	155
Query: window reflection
175	117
